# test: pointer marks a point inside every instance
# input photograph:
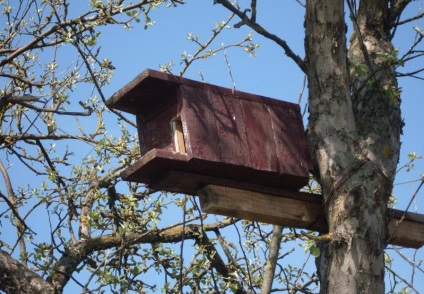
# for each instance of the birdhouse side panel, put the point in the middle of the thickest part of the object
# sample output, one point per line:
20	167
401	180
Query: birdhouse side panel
288	146
231	130
157	133
260	137
198	119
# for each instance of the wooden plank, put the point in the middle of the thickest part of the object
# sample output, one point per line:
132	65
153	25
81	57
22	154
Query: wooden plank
262	207
199	125
150	85
291	212
189	178
409	233
152	163
260	137
143	91
151	111
285	131
231	130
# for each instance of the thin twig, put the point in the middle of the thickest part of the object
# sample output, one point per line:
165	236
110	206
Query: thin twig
260	30
11	201
202	47
229	70
402	279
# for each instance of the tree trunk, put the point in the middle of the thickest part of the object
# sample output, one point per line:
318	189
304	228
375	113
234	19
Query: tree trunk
354	128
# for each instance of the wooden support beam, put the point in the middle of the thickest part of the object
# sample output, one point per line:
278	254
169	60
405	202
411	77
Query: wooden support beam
298	210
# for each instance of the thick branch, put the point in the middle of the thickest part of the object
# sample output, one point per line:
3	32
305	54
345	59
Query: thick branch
79	251
20	224
396	11
271	262
16	278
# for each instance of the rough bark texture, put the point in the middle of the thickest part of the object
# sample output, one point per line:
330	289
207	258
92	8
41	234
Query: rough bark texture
354	131
17	278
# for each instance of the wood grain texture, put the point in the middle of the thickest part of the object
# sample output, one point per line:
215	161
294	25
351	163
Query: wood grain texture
231	129
157	133
284	130
225	134
260	137
279	210
298	213
150	85
199	123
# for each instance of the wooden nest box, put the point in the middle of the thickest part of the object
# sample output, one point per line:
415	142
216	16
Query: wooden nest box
244	155
193	134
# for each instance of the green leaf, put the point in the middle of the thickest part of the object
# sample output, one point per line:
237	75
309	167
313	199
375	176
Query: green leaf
315	251
413	155
97	3
91	41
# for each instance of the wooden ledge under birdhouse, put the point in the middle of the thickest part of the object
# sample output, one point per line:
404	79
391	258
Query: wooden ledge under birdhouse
299	210
203	131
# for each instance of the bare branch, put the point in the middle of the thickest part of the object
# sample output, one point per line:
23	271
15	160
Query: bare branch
20	224
71	113
77	252
402	279
89	22
202	47
260	30
274	247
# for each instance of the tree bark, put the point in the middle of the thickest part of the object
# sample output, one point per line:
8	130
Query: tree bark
354	140
18	278
79	251
274	248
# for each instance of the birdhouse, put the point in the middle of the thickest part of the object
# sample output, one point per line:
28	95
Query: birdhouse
244	155
193	134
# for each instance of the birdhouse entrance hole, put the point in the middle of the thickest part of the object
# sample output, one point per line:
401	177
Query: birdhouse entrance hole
177	127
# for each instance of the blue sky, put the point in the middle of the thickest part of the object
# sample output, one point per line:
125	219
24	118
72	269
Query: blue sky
270	73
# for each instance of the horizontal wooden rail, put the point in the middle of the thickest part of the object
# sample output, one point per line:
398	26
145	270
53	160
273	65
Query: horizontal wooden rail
299	210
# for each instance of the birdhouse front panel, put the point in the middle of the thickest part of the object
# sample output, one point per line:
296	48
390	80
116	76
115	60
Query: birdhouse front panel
157	133
193	134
